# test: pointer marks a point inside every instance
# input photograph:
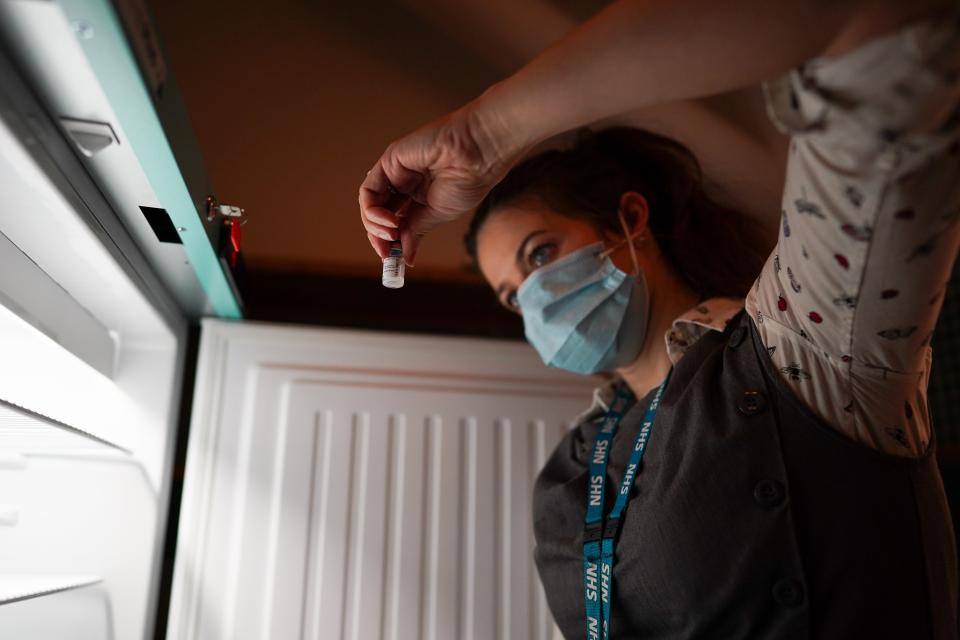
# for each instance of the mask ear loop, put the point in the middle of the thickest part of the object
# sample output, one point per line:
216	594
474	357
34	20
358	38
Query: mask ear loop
629	240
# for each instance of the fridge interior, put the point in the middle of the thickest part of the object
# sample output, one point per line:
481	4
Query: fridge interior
89	374
85	420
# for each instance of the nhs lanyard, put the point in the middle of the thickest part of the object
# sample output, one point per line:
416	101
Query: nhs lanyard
599	539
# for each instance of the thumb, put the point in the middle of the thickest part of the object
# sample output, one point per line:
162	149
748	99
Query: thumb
410	242
418	220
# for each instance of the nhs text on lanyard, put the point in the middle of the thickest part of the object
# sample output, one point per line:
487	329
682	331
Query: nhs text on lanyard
599	539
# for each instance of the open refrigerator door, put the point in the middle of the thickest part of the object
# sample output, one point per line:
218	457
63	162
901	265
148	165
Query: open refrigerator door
109	248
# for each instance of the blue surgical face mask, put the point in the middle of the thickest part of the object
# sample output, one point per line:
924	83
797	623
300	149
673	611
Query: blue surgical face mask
583	314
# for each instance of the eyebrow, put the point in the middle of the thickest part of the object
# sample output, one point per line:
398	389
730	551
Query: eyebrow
519	257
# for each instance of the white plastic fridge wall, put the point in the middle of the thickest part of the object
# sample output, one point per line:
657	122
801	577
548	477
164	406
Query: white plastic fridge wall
78	513
344	484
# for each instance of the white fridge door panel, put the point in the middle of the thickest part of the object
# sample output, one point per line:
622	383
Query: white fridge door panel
358	485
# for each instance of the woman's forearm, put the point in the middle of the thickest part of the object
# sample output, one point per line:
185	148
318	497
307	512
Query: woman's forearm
642	52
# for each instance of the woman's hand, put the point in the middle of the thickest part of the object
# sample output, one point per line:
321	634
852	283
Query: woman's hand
431	176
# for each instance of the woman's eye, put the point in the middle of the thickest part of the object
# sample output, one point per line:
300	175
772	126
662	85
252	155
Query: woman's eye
541	255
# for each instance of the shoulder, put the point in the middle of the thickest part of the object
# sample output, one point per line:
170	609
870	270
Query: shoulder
890	84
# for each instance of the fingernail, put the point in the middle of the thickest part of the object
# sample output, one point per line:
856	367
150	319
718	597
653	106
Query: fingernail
384	236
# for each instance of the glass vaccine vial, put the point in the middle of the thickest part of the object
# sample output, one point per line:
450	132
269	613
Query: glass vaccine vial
393	267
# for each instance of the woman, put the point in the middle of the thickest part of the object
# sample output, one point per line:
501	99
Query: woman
777	463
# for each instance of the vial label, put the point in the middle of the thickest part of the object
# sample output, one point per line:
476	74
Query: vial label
393	267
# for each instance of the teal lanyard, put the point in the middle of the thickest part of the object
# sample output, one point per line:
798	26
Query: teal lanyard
599	538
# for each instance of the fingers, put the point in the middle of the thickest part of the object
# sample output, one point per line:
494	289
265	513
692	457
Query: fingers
384	232
383	195
410	242
376	219
381	246
385	222
383	217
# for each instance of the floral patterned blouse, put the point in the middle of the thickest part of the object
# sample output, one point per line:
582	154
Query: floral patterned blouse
870	225
848	300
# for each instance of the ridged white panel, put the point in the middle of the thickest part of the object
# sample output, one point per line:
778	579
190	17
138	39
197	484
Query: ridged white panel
337	500
412	524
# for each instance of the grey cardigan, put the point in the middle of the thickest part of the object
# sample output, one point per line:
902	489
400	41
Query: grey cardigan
751	518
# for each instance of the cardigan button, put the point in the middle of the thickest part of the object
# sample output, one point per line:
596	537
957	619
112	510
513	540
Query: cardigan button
769	493
751	403
737	337
788	592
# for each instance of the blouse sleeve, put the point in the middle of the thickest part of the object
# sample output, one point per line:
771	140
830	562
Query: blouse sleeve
870	224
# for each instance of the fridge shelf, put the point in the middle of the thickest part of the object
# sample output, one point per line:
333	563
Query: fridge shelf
17	587
27	431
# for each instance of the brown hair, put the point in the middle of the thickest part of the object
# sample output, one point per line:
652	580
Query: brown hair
714	247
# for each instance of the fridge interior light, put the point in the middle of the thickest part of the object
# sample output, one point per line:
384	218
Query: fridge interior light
39	374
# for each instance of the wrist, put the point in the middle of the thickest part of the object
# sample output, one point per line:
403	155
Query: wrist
499	129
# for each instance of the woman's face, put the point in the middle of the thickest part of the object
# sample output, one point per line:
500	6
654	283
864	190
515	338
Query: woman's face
519	238
522	237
